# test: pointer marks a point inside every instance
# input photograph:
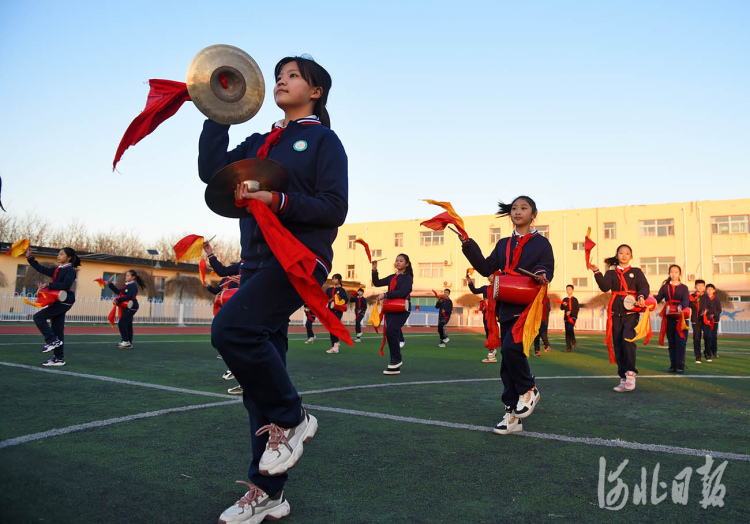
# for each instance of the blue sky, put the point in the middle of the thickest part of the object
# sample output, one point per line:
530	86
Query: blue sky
578	104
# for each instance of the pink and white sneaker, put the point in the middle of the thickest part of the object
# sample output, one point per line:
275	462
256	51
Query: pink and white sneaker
620	388
630	381
255	506
334	349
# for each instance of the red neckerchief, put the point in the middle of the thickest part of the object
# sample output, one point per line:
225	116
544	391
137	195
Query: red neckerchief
712	322
271	140
510	265
54	277
392	284
568	307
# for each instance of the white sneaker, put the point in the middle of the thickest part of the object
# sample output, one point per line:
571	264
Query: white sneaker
236	390
698	362
527	402
228	375
491	357
334	349
620	388
401	344
54	361
284	447
310	340
219	357
125	345
441	345
446	339
122	344
254	507
358	339
49	347
630	381
509	424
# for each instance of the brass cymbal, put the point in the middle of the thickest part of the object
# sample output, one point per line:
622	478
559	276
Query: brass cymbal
245	88
270	175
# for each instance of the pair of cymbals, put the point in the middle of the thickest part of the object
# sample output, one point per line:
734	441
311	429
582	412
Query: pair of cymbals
225	84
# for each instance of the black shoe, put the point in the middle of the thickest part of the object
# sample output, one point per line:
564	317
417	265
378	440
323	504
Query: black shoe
569	350
672	370
681	370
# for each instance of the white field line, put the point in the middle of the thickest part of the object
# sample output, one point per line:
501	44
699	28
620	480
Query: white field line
590	441
118	380
100	423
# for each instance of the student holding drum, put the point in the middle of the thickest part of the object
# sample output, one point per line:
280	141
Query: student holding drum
63	279
629	289
396	305
673	325
526	251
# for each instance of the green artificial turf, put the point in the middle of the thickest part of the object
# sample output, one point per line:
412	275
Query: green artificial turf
181	467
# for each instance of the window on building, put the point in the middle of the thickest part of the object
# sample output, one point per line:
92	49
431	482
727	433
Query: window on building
730	225
350	272
494	235
580	282
543	230
20	273
610	230
352	238
377	253
656	265
732	264
431	238
657	228
431	270
578	246
398	240
423	301
106	292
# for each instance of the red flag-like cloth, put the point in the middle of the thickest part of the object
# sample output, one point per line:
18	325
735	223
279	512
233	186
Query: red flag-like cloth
441	221
587	247
367	248
298	263
202	271
164	99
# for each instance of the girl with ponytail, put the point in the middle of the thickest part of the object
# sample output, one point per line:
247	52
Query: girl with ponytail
128	303
622	280
250	331
63	279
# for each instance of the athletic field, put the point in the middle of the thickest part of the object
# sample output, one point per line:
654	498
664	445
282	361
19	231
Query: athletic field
150	435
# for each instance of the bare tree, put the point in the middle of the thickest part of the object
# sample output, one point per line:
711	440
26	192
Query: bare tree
3	280
469	300
599	301
186	287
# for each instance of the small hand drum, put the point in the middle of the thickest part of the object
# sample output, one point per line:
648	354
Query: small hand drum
514	289
395	305
629	303
674	310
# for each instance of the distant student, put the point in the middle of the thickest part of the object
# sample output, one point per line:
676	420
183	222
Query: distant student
220	269
492	355
570	307
309	319
676	294
542	335
127	295
444	305
621	281
698	303
63	279
360	308
399	287
337	302
711	317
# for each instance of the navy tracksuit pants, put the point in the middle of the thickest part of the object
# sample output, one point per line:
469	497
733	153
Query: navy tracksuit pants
677	344
126	324
56	316
338	314
393	334
514	367
624	327
250	333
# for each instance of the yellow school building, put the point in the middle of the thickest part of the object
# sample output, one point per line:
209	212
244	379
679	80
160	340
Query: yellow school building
710	240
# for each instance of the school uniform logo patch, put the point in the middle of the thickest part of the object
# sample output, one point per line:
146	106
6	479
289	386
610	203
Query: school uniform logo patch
300	145
631	275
